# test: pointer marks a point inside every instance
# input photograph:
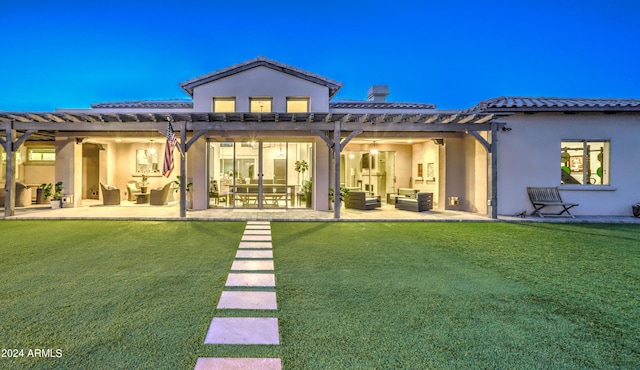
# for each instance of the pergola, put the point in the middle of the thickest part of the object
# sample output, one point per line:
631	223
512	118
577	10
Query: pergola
336	129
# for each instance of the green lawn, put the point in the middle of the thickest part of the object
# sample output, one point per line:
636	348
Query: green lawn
351	295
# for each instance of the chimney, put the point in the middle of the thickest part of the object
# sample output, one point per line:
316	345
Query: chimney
378	93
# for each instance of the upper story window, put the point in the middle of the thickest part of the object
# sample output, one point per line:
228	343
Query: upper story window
584	162
297	105
260	105
224	104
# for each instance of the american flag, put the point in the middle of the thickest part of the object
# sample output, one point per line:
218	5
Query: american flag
172	141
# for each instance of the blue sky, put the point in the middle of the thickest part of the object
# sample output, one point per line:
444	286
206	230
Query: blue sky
70	54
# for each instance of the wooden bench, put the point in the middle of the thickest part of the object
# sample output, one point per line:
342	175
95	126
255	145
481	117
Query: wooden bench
421	202
542	197
360	200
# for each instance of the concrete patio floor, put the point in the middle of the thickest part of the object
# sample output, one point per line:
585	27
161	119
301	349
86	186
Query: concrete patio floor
387	213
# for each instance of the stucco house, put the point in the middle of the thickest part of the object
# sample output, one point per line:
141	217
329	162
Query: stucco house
263	134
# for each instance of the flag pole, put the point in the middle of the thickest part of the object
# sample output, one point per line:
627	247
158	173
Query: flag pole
183	171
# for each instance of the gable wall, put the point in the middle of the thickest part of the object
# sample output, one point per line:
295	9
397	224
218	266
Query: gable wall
258	82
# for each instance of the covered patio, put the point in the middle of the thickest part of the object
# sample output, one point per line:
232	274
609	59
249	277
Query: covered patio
336	130
95	210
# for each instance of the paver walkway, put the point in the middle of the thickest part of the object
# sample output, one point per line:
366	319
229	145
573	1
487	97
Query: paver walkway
250	286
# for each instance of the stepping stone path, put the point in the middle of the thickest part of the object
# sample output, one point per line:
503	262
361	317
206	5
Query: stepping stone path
250	286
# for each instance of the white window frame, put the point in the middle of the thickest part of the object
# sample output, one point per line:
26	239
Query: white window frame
586	176
223	99
299	99
259	99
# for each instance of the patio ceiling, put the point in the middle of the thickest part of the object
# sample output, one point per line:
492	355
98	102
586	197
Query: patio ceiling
46	124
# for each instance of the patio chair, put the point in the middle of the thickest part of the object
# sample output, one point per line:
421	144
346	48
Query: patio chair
132	190
214	192
110	195
23	195
160	196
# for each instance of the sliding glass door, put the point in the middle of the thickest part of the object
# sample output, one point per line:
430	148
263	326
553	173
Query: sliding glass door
257	174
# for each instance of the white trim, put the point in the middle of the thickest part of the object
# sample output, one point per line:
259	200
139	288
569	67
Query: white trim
588	188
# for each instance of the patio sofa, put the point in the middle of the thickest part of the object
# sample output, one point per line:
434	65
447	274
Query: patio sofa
402	193
421	202
360	200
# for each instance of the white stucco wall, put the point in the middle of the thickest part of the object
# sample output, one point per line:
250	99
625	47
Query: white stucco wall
261	82
476	174
529	155
425	153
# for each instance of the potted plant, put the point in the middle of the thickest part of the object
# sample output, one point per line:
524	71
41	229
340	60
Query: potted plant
44	193
144	183
188	189
343	193
177	183
307	185
57	195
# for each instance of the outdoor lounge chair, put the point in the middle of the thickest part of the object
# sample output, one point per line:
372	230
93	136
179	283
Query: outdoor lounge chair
160	196
110	195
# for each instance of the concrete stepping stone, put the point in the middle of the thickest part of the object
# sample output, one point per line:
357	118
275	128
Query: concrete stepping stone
252	266
258	227
243	330
248	300
258	222
255	245
254	254
251	280
257	232
226	363
255	238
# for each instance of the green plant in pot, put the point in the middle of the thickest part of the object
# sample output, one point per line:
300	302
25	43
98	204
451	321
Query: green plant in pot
44	193
343	193
56	195
307	188
307	184
177	185
144	183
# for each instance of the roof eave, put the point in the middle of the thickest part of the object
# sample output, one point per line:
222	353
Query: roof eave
189	85
562	110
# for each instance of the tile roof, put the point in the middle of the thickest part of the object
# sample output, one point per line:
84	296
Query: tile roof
543	104
154	104
367	104
261	61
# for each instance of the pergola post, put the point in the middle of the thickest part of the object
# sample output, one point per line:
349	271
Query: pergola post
10	183
494	170
336	173
183	170
492	152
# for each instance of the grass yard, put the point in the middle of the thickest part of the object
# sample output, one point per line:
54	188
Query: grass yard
111	294
451	295
351	295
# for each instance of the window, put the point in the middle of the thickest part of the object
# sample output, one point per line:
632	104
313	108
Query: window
224	105
584	162
297	105
260	105
41	154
